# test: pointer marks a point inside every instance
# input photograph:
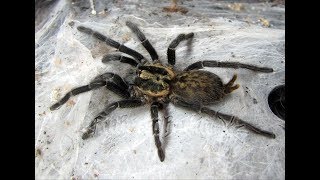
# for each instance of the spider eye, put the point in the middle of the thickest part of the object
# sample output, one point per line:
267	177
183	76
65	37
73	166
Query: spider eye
158	78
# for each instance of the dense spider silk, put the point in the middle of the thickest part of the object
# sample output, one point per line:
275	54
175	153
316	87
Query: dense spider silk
160	85
73	64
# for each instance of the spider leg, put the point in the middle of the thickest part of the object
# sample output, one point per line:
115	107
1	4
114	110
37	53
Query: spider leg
128	103
171	53
76	91
124	93
155	128
144	41
233	120
111	42
118	86
123	59
239	123
115	84
114	77
235	65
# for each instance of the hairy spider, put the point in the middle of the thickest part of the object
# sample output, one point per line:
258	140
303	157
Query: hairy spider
158	84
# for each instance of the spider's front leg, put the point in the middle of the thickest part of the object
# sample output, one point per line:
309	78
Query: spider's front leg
117	57
155	128
111	42
115	84
128	103
144	41
76	91
232	119
171	53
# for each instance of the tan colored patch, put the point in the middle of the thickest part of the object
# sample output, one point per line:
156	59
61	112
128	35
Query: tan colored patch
56	93
175	8
236	7
172	9
43	113
169	69
153	94
126	37
146	75
70	103
264	22
57	62
67	123
131	129
182	85
157	78
37	77
38	152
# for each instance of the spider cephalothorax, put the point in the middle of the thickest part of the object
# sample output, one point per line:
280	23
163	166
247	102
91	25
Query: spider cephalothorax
154	79
159	84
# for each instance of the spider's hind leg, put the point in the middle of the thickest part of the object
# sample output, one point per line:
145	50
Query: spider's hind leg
234	65
233	120
229	87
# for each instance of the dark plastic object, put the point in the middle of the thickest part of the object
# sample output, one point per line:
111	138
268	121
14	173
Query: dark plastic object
277	101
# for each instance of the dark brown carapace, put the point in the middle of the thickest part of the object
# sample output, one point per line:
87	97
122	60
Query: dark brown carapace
157	84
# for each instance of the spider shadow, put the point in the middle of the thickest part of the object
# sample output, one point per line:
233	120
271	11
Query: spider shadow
166	126
189	47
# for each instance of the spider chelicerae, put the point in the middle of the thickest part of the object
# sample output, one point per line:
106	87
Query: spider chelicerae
157	84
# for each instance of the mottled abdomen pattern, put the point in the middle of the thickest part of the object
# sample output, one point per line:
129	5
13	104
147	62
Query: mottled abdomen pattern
198	86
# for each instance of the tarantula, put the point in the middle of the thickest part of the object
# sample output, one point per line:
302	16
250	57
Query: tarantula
158	84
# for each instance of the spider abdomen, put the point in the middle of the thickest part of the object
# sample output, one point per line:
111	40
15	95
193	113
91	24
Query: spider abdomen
197	86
